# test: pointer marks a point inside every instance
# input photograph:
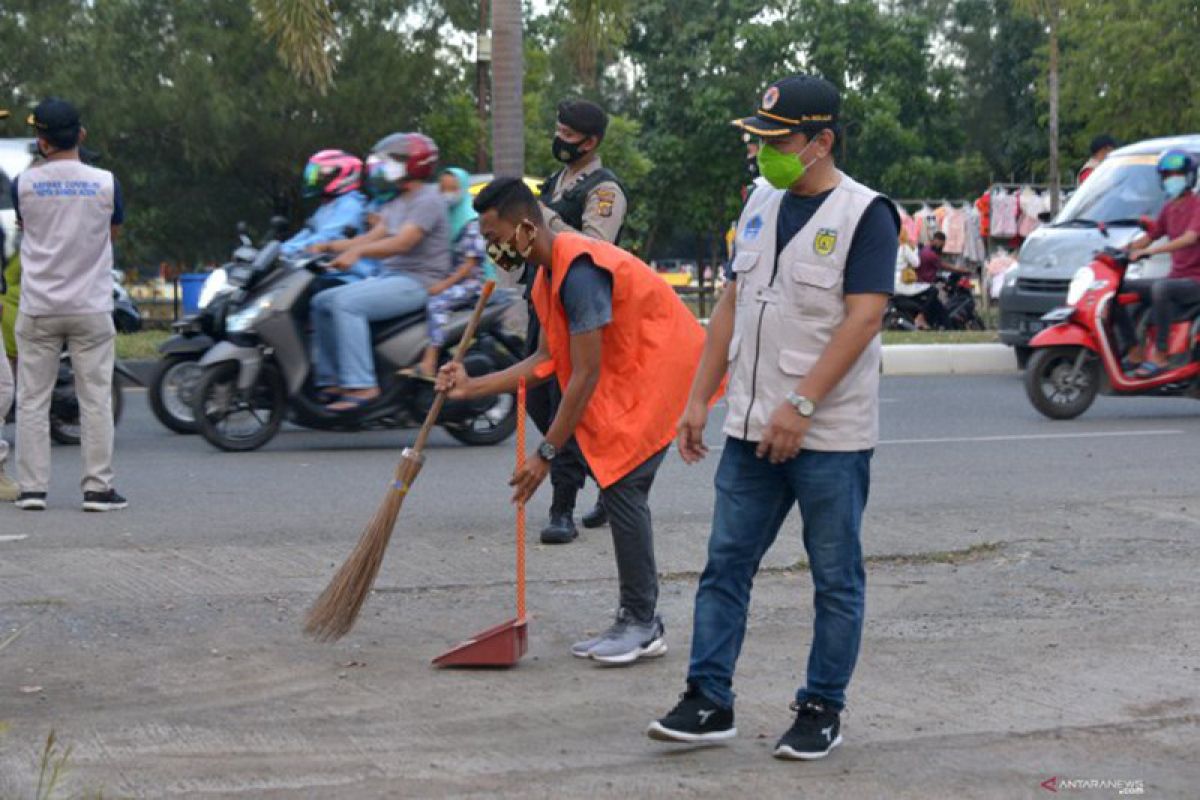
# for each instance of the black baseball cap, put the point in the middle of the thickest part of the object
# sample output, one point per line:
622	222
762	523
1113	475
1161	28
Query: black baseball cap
55	118
795	104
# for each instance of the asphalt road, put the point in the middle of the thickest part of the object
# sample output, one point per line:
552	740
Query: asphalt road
1033	607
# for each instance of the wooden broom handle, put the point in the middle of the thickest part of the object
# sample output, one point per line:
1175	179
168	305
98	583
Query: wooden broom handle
464	344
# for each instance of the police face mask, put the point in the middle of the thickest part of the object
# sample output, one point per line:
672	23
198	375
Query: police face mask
780	169
568	152
509	256
1175	185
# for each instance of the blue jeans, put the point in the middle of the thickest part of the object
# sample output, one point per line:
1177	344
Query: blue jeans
754	497
342	318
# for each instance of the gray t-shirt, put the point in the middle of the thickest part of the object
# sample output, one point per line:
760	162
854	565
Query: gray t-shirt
430	260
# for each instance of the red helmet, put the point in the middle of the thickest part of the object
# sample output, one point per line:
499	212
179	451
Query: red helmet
407	155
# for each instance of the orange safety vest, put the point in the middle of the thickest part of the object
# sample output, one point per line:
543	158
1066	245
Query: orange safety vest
650	352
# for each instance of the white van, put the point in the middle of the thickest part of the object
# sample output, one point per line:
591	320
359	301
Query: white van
15	156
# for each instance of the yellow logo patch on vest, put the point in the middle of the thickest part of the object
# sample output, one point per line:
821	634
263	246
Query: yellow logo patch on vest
825	241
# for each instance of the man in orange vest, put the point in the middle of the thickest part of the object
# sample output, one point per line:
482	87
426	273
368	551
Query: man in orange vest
624	349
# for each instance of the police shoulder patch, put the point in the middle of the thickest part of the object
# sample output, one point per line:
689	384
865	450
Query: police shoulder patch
825	241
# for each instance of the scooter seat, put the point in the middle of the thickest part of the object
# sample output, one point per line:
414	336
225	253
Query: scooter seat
386	328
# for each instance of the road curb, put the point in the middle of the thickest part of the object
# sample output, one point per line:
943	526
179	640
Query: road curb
898	359
948	359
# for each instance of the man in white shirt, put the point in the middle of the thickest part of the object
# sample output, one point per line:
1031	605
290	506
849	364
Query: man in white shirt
69	214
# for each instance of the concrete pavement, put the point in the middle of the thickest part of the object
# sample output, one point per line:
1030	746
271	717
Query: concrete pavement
1033	597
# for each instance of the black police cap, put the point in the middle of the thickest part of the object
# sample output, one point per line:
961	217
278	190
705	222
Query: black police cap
583	116
795	104
54	115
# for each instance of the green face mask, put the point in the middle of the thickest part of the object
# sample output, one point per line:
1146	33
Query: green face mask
781	170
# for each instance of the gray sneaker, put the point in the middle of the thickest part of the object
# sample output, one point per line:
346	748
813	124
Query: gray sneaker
584	649
628	640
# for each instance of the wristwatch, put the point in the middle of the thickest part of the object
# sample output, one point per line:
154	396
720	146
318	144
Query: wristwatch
804	407
547	451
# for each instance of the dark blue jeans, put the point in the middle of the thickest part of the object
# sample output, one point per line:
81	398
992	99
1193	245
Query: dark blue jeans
754	497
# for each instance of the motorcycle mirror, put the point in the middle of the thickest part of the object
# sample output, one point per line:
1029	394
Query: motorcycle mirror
279	226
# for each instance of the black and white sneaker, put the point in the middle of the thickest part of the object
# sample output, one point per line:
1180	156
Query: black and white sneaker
816	731
696	719
104	501
31	501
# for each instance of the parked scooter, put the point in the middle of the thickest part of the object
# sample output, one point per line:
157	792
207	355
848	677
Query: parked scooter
262	373
1078	357
175	374
64	403
959	300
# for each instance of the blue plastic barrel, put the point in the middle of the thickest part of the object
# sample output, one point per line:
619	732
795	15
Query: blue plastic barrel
190	284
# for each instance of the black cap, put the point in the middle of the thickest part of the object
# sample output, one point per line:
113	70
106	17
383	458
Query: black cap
583	116
794	104
1102	142
54	117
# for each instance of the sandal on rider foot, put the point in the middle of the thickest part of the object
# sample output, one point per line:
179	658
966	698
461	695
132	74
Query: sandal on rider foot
1149	369
327	396
349	402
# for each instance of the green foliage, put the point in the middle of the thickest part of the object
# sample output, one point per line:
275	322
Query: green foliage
1129	69
207	109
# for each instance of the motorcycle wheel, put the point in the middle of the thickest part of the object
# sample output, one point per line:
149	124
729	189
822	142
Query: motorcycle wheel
1053	386
170	390
492	426
234	420
65	427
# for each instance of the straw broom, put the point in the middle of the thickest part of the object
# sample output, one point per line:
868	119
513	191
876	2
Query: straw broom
334	613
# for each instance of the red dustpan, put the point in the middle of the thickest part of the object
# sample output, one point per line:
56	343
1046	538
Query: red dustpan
504	644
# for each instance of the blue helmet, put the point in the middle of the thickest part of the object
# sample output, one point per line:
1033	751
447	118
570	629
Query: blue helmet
1174	161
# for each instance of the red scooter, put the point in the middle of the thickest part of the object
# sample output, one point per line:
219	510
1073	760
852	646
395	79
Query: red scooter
1078	356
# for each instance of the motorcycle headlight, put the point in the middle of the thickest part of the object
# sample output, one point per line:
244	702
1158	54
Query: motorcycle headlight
1083	280
216	281
244	319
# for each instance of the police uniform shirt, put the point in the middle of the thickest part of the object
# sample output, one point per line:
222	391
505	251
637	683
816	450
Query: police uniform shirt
604	212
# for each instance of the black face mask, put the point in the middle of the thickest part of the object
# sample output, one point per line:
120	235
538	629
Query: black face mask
752	166
567	152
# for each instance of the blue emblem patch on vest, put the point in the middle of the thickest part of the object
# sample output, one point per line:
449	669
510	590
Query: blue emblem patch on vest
753	228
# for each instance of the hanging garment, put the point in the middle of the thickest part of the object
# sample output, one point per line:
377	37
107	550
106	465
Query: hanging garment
929	223
910	226
1032	204
954	225
1004	214
984	206
975	250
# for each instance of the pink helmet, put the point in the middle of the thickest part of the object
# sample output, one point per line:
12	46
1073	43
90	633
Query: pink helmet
332	173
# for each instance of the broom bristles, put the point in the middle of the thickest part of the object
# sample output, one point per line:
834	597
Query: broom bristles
334	613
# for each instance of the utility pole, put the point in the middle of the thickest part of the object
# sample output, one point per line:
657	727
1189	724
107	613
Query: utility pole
483	60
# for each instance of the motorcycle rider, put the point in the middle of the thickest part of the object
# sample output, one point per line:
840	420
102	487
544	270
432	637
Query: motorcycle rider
1179	221
461	288
336	177
582	197
412	241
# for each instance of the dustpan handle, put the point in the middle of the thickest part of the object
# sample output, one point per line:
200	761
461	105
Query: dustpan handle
521	505
464	344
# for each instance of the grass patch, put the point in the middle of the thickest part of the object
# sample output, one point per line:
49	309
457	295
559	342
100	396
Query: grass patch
140	345
940	337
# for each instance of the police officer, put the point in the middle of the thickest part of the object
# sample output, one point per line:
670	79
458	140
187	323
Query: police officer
582	197
798	333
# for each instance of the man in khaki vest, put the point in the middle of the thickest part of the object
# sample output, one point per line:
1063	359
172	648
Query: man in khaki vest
797	330
69	213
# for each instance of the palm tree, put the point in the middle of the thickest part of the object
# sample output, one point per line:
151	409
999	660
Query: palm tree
508	71
304	34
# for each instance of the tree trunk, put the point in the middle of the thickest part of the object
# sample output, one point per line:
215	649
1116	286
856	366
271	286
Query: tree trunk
1052	81
508	117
